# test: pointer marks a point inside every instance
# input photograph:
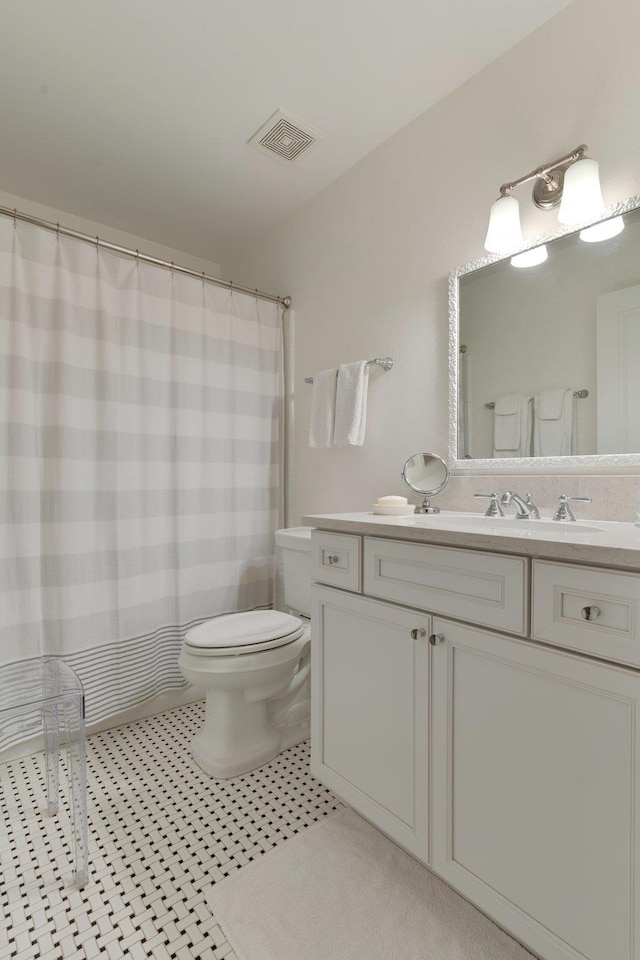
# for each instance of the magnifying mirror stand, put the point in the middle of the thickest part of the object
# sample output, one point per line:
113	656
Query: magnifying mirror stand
425	507
426	474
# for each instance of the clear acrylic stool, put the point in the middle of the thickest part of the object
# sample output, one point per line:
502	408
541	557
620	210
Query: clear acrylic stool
49	687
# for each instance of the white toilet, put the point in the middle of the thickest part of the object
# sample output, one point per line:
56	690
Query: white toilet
255	669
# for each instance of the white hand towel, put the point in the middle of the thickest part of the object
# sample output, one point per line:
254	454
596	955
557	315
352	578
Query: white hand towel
550	404
554	430
323	408
351	404
512	426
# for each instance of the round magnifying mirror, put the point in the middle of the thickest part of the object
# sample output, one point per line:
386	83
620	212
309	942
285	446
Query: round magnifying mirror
427	474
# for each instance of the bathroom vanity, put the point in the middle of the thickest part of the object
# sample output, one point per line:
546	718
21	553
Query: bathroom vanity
475	684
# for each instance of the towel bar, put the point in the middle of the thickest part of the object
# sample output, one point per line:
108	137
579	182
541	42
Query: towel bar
581	394
385	362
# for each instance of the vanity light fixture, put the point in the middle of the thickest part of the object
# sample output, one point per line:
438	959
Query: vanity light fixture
530	258
571	181
581	195
504	232
602	231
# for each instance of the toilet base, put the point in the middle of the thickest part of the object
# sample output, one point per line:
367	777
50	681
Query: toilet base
222	768
295	726
292	735
272	742
237	735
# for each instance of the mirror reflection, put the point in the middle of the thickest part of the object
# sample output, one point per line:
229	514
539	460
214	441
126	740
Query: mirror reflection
550	350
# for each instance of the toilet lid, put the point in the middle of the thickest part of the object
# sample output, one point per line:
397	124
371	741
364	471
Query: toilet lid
235	631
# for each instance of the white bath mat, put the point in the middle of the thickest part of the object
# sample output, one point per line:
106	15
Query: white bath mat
343	891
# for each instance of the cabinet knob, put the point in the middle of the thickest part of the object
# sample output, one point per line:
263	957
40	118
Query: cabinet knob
436	638
331	560
590	613
418	632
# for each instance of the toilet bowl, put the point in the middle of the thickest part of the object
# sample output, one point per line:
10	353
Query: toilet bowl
254	667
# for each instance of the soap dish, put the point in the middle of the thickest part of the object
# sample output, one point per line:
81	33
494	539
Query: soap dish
393	509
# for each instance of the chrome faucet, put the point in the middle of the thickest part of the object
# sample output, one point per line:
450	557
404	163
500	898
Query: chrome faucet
527	509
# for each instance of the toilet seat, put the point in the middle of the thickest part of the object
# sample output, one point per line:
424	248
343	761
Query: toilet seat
240	633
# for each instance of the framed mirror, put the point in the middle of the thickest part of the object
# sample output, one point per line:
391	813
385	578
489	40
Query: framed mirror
544	359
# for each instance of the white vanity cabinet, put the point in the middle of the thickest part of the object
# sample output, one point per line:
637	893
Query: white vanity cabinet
504	754
369	723
534	759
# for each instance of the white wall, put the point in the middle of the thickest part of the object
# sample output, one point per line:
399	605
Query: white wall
367	260
119	237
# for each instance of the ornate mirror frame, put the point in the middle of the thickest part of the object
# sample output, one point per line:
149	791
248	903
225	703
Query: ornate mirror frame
569	464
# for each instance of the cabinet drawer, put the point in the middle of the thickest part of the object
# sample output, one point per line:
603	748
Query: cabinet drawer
485	588
335	559
565	595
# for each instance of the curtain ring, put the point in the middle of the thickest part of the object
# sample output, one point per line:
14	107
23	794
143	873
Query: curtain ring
231	287
58	232
15	217
137	258
203	276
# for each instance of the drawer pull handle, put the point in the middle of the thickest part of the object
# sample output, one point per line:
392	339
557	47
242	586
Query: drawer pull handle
418	632
590	613
436	638
331	560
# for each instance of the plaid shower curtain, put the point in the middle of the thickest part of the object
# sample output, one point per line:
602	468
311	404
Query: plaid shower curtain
139	446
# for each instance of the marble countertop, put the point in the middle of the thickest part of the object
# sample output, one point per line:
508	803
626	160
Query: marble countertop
602	542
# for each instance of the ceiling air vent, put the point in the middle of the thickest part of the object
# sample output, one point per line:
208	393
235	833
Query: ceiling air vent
285	138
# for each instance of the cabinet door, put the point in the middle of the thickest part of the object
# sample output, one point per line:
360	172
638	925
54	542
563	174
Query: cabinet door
534	790
369	710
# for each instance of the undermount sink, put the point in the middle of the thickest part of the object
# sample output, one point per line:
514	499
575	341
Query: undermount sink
500	524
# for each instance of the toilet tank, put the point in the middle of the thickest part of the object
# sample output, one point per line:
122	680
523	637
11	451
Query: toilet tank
295	544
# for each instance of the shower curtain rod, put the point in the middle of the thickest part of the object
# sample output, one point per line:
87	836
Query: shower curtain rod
97	242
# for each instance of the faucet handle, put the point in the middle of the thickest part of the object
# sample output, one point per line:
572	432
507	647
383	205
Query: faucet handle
563	514
494	509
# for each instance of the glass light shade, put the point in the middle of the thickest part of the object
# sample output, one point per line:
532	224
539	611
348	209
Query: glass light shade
603	231
504	233
581	195
530	258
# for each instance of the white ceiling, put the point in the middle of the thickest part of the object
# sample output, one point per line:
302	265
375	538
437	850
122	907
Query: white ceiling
136	113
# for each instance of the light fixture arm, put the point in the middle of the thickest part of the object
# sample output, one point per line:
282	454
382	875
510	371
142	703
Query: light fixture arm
544	173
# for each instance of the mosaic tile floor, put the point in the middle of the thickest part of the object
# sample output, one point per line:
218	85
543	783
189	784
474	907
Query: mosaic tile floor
160	832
